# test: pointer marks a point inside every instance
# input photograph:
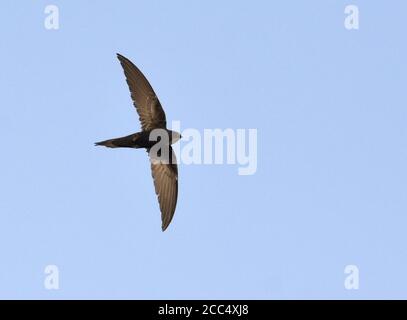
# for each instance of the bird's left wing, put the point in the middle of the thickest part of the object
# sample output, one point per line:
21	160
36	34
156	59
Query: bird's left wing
165	175
151	114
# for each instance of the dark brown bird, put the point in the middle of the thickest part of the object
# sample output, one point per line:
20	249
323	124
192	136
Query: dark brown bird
154	137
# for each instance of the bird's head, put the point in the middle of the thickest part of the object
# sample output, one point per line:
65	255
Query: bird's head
174	136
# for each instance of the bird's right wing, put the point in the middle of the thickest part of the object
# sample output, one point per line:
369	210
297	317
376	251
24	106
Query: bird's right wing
151	114
165	175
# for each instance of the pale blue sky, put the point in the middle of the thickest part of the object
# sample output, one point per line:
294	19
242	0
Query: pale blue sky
330	190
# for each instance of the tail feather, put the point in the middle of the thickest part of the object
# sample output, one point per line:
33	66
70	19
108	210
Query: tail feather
129	141
107	143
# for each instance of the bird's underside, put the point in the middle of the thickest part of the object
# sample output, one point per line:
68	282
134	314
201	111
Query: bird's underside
135	140
152	117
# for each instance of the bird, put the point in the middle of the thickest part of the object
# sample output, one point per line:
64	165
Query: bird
154	135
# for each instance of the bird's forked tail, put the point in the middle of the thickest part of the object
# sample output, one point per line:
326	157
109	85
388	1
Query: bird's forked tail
129	141
107	143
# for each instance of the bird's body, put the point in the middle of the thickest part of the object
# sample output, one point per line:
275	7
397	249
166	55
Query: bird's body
137	140
154	130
